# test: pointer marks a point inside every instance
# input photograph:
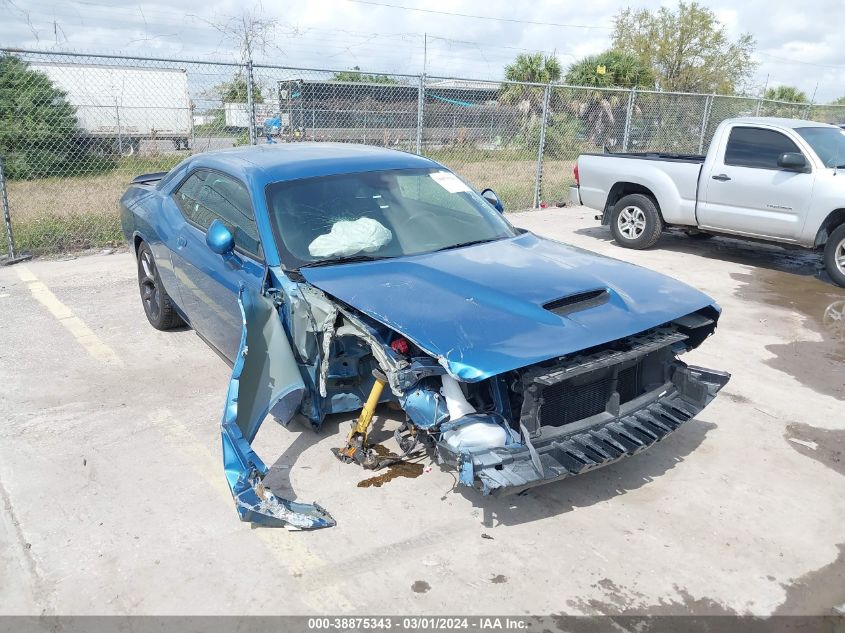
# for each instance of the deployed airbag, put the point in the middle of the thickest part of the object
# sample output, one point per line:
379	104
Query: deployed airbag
348	237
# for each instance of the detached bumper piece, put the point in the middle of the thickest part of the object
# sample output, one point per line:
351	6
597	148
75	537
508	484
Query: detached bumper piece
593	412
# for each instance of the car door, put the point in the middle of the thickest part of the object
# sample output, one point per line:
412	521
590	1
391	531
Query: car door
207	282
746	192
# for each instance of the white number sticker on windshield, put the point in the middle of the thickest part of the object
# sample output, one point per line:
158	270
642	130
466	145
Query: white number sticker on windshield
450	182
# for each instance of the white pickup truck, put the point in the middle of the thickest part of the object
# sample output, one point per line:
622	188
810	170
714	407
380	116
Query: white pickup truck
772	179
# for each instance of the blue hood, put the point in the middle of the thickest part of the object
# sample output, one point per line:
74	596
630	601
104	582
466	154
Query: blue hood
480	308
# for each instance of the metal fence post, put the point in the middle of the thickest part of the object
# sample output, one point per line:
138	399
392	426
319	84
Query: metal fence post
759	107
538	179
629	111
250	103
705	119
14	257
7	218
420	117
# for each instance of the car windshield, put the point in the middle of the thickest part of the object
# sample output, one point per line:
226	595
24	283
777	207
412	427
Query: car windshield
828	143
378	214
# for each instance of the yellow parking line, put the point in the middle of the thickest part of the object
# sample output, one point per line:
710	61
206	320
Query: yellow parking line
72	323
289	548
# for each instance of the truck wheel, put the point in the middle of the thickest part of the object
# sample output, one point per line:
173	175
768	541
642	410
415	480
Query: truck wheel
636	222
834	255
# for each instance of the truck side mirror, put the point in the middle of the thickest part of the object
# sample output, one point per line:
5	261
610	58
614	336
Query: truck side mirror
793	161
493	199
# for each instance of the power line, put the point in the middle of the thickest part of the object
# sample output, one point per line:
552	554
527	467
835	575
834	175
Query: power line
480	17
798	61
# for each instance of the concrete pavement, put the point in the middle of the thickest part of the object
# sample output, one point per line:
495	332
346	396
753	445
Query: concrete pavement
115	502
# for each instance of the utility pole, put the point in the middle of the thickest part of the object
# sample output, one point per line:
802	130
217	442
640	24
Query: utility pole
762	96
425	52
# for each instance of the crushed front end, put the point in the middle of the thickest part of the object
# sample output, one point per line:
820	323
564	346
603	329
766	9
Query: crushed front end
574	414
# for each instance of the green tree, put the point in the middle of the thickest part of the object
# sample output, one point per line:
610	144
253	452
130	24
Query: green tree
688	48
355	75
39	134
534	68
785	93
235	91
839	101
529	68
602	113
611	68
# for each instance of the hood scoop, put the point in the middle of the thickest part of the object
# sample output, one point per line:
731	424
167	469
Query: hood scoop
578	301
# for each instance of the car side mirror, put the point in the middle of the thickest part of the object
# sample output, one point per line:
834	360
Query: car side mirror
793	161
493	199
219	239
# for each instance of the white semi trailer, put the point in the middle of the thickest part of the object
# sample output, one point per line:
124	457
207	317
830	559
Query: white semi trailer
119	106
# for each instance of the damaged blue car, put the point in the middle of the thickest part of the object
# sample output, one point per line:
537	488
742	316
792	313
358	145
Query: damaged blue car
334	277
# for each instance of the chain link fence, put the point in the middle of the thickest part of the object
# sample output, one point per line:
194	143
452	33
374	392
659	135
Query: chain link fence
76	128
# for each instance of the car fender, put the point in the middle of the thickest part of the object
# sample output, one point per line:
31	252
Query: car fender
265	376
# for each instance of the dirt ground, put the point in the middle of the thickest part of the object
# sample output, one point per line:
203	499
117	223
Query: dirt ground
115	501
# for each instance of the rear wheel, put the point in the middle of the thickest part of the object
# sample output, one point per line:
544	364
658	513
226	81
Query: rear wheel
834	255
636	222
157	304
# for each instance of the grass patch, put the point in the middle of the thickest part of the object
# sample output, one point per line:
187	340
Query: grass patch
54	215
469	154
51	233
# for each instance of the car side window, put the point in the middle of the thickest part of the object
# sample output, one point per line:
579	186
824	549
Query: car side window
756	147
207	195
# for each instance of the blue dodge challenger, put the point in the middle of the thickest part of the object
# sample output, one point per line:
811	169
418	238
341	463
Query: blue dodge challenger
333	277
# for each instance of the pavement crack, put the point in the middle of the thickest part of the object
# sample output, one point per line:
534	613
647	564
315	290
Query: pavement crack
38	584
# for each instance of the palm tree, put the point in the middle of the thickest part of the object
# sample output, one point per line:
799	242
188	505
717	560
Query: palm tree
611	69
603	112
529	68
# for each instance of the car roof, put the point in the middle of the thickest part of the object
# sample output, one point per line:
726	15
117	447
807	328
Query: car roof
781	122
290	161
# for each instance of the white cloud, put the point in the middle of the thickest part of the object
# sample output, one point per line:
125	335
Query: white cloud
795	47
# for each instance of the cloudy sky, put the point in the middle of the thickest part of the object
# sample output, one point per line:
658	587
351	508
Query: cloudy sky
798	43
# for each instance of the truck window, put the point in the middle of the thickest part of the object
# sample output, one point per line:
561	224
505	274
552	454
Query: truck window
756	147
208	195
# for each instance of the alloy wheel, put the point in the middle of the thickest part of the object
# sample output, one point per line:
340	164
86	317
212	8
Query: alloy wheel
149	286
839	256
631	222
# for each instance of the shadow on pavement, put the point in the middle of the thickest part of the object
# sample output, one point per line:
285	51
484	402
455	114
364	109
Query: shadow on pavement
592	487
795	260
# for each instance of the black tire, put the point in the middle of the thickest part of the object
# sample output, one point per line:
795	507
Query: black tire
154	298
636	222
834	255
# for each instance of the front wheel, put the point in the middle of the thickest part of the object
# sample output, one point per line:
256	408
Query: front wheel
834	255
157	303
636	222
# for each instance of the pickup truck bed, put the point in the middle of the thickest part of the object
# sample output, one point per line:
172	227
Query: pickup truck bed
764	178
679	158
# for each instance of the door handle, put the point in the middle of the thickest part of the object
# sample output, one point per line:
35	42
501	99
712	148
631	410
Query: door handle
181	242
721	177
